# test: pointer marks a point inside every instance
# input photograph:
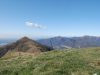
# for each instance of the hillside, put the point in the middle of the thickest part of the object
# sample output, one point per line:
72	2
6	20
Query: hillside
24	45
83	61
71	42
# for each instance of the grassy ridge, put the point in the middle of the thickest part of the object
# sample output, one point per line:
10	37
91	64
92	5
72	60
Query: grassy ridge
84	61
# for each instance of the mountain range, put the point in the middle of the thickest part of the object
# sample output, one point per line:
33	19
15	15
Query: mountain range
60	42
71	42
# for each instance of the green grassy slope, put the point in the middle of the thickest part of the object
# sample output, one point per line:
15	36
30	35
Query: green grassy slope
84	61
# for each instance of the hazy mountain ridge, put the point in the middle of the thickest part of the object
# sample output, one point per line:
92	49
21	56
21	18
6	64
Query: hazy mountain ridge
71	42
66	42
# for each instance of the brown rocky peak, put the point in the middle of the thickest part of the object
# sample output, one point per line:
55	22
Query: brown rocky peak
24	39
25	45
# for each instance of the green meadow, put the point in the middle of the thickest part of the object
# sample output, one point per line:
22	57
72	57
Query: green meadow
83	61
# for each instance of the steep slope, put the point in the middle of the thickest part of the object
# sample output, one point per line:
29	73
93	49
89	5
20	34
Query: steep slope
84	61
25	45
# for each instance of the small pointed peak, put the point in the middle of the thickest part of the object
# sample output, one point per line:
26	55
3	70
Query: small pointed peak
25	39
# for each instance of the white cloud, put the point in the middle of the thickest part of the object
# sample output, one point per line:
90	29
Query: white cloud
34	25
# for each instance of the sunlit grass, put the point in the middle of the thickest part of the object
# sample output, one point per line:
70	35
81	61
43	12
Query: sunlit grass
85	61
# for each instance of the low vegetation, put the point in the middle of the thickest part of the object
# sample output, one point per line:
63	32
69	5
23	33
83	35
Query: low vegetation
0	48
85	61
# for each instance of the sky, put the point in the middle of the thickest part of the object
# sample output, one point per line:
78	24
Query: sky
48	18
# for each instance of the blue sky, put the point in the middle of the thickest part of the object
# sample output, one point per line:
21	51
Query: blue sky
47	18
